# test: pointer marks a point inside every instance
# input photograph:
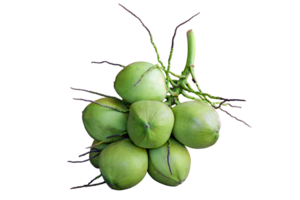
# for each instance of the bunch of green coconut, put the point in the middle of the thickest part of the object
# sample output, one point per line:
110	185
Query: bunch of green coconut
148	128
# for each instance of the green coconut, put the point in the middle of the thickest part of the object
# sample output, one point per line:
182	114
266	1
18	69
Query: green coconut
150	123
101	122
179	160
151	87
123	165
197	124
99	148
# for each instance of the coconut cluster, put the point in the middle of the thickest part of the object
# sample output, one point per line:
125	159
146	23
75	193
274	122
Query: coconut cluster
140	133
148	129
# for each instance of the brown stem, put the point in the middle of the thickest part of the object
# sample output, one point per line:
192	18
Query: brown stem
179	25
245	123
234	106
76	187
135	16
233	100
81	161
94	150
107	62
100	94
117	109
219	105
168	159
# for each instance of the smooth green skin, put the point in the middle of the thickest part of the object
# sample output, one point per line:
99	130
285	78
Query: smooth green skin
101	122
151	87
150	123
196	124
95	161
123	165
180	162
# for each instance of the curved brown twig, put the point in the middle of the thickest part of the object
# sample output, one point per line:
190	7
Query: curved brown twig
245	123
230	105
179	25
223	99
107	62
135	16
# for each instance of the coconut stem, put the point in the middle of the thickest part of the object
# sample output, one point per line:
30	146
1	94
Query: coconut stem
76	187
136	17
173	73
194	79
190	97
216	105
81	161
106	141
100	94
150	69
151	37
245	123
168	159
179	25
89	184
174	83
94	150
174	94
94	179
104	95
201	98
116	109
211	96
107	62
230	105
168	156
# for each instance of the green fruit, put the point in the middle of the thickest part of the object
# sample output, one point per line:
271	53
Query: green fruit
123	165
151	87
179	159
196	124
99	147
150	123
101	122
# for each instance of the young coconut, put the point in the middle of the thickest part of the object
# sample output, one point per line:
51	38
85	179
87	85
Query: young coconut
132	85
94	158
93	154
150	123
123	165
197	124
101	122
170	163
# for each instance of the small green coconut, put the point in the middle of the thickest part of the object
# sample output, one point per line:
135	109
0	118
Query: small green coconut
179	163
101	122
123	165
99	148
150	123
152	86
197	124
